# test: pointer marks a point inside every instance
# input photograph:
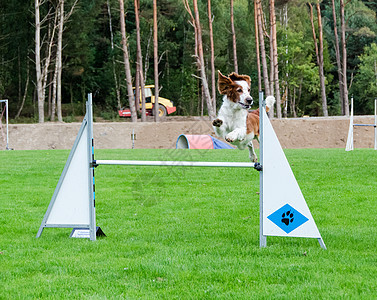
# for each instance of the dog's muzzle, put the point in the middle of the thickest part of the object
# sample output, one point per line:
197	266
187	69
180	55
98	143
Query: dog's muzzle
249	103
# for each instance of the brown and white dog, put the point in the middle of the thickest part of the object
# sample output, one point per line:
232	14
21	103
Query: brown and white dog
235	123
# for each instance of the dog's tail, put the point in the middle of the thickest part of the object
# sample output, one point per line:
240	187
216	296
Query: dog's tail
270	101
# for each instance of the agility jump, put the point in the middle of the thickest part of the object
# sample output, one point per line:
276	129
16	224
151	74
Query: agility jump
349	145
283	209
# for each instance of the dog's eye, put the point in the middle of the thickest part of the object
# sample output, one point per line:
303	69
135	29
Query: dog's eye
248	90
239	90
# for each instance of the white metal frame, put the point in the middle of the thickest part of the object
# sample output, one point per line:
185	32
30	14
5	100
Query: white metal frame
262	107
7	123
91	226
91	186
349	145
164	163
92	163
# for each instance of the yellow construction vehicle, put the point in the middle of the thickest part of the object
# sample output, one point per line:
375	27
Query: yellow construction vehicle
165	107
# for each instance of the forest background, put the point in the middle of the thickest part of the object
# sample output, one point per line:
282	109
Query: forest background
89	41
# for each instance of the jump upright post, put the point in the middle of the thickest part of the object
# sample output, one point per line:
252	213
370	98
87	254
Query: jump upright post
6	123
283	209
349	145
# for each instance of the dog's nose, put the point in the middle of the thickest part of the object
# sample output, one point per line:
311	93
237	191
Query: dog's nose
249	100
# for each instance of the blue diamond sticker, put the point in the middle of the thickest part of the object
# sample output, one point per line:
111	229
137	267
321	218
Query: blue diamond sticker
287	218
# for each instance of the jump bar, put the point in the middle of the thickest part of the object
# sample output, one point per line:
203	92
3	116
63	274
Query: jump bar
175	163
371	125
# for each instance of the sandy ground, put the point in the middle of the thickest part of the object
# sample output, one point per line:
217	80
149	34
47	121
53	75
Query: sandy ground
293	133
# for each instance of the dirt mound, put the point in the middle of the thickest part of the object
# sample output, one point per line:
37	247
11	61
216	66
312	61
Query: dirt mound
293	133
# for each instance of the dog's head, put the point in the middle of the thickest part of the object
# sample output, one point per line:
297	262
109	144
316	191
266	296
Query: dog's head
236	88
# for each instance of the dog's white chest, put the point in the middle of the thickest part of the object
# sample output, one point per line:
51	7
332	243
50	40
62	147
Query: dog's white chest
233	118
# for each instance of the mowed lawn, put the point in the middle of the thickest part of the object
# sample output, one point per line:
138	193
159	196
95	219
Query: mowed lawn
189	233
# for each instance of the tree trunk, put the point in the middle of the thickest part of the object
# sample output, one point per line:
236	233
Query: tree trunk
127	63
56	101
50	75
49	97
257	45
263	49
213	74
294	103
146	59
338	63
59	63
344	58
139	63
313	30
272	69
285	102
155	55
117	89
42	69
199	55
142	88
319	55
40	94
211	112
53	99
275	58
233	37
300	93
196	54
285	25
321	69
137	74
137	87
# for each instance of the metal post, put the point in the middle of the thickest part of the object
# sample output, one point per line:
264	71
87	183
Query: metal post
6	123
92	202
133	137
349	144
375	124
262	106
6	112
352	121
166	163
322	244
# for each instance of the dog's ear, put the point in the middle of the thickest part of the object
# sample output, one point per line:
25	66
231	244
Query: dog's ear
223	83
236	77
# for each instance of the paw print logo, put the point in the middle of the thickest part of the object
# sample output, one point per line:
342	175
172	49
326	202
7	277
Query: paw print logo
287	217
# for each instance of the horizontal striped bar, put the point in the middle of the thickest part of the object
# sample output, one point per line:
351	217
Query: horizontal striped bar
371	125
78	226
175	163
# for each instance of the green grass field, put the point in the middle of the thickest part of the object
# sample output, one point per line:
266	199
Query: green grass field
189	233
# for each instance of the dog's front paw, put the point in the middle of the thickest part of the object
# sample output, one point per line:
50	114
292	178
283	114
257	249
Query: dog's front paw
231	137
228	139
217	123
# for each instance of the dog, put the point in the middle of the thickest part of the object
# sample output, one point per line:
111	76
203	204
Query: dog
235	123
